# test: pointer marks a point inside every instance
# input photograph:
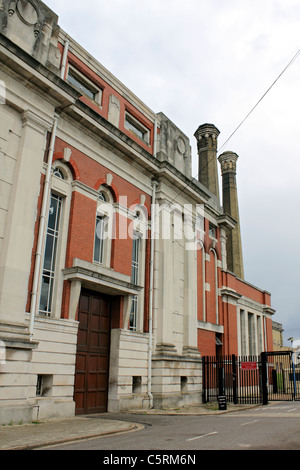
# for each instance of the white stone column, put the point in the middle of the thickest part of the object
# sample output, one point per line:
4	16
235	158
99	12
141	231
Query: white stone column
20	222
164	339
190	289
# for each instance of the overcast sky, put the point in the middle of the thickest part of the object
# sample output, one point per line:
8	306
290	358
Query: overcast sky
202	61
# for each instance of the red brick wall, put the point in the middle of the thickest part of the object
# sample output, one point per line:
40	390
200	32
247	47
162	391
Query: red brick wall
107	90
246	290
206	342
83	217
269	335
200	254
211	294
81	229
230	339
83	211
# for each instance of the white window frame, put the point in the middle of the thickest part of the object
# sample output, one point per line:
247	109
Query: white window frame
137	128
49	271
60	187
82	80
105	212
136	316
212	231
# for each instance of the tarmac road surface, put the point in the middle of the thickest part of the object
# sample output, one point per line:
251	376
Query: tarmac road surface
272	427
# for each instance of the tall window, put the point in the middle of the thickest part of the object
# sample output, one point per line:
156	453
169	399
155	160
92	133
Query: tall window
50	255
133	313
251	337
242	333
134	280
100	233
135	259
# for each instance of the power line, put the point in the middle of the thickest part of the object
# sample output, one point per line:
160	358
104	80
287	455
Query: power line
242	122
263	96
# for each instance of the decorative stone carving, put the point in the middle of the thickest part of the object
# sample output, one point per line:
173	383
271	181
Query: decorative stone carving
181	146
114	110
27	12
174	145
32	26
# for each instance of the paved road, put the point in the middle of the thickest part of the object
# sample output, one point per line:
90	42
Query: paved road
264	428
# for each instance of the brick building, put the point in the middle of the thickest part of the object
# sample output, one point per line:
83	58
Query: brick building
118	270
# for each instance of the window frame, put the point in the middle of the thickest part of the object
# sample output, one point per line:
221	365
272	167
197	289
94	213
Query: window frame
60	187
212	230
138	129
105	212
81	82
135	259
46	272
138	262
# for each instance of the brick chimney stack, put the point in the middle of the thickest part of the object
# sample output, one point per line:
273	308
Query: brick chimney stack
230	205
207	143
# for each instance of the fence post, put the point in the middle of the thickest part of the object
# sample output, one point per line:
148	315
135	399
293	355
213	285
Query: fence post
264	378
203	381
234	394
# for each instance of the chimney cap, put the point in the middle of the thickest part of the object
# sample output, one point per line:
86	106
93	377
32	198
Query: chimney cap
228	161
228	155
204	129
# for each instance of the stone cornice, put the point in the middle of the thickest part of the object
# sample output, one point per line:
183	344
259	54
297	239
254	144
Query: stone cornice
67	103
105	279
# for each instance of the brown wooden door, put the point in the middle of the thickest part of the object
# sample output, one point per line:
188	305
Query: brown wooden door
92	359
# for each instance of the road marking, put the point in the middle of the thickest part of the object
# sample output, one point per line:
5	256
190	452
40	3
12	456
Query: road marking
249	422
293	409
203	435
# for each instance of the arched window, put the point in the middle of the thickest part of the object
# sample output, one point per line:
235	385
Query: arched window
58	173
103	227
216	283
138	269
50	255
51	281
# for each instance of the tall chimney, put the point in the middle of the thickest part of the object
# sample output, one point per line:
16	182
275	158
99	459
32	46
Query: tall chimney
207	143
230	205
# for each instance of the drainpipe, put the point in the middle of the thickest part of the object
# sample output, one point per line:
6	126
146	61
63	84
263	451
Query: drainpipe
38	256
155	138
151	292
64	60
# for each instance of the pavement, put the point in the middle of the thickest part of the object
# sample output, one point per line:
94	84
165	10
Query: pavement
59	431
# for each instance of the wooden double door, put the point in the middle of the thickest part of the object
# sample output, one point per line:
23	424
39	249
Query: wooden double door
92	359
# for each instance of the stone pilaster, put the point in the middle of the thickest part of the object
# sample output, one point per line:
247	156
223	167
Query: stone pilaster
16	253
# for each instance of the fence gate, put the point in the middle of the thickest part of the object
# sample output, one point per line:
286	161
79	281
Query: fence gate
251	379
282	376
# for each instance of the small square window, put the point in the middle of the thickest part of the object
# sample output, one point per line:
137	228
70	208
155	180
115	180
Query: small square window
84	85
212	230
134	126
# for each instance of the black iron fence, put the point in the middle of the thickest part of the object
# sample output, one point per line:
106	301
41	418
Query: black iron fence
283	376
236	378
250	379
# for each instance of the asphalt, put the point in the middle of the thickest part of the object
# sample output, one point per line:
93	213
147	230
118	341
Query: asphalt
58	431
